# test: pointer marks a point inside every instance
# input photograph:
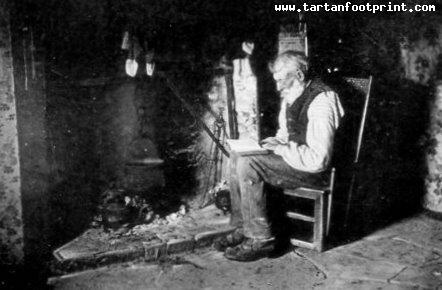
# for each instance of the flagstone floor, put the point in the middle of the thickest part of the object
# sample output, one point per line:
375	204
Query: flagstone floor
405	255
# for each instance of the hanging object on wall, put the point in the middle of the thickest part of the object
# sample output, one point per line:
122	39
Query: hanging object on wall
134	51
150	65
292	37
248	47
246	95
125	43
131	67
150	68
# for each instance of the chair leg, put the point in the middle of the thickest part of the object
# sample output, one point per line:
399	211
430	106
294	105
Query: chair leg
329	212
318	228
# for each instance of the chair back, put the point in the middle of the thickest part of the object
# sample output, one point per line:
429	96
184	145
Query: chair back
354	94
364	85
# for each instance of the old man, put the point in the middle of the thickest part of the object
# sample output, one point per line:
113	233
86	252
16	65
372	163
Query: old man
300	155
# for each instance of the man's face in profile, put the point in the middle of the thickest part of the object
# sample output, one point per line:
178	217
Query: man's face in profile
284	79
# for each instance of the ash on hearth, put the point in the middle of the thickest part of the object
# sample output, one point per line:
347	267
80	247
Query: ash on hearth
120	208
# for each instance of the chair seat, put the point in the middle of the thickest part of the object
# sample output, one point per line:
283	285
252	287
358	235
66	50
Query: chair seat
304	192
298	216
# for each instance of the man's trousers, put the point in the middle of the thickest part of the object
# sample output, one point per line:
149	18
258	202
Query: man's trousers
247	177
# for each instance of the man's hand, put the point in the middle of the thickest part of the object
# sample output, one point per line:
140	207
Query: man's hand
270	143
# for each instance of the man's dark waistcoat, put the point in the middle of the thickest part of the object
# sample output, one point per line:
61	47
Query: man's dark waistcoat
296	114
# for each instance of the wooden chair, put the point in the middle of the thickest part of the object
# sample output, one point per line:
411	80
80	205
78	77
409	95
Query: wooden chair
323	196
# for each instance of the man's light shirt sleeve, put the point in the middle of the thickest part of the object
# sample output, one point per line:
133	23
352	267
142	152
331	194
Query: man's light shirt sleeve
324	116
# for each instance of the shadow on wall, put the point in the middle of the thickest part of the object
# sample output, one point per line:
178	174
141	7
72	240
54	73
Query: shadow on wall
389	181
72	138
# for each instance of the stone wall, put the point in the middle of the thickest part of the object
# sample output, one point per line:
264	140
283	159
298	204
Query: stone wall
96	126
11	224
421	59
30	92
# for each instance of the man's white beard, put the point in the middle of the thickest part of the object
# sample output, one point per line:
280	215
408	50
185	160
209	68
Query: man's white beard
293	92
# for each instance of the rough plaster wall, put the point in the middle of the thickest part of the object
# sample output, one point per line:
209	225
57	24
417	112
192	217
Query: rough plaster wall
433	198
11	226
421	61
420	58
30	93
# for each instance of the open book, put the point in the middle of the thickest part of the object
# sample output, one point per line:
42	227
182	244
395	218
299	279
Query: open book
246	147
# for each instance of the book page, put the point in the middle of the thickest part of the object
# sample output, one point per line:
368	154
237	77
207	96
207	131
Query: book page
246	147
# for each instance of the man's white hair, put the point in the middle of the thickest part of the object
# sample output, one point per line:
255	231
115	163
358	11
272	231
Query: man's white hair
292	61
